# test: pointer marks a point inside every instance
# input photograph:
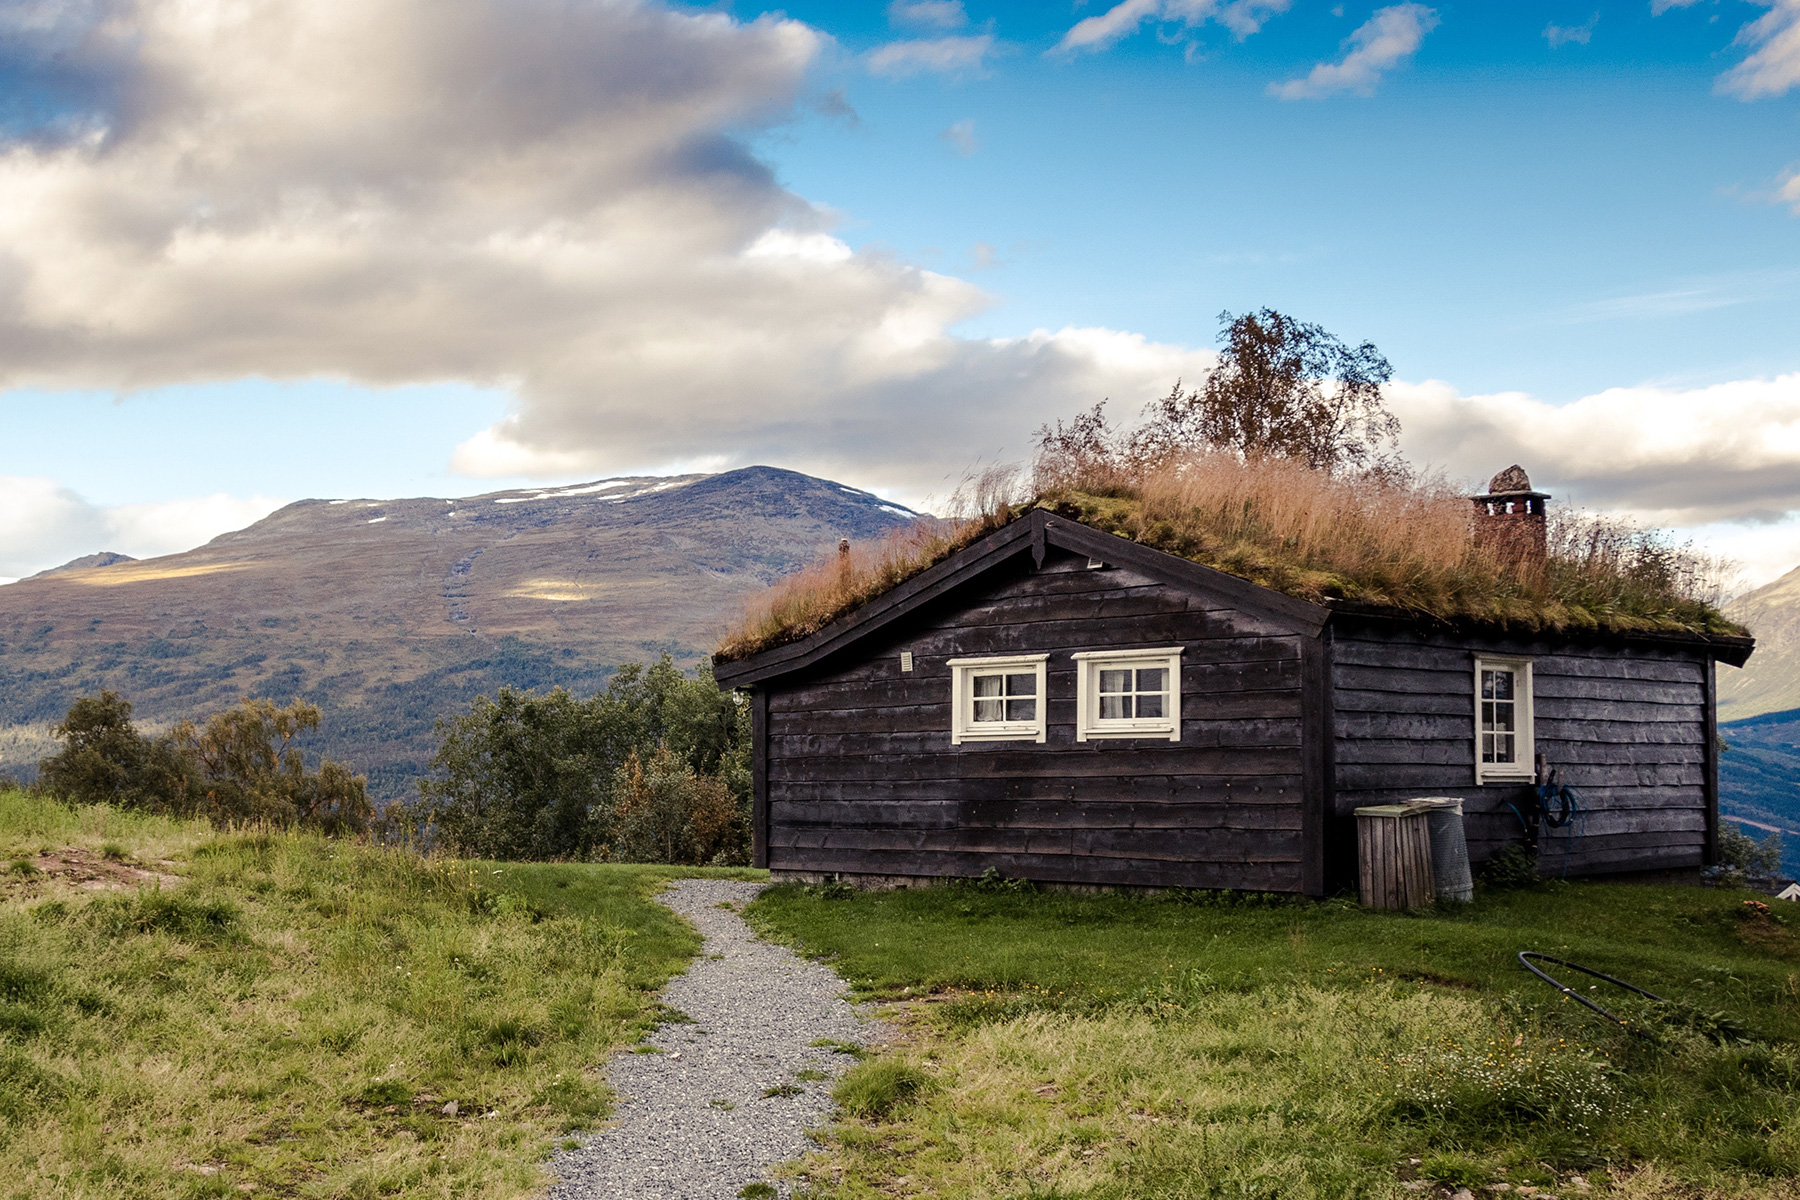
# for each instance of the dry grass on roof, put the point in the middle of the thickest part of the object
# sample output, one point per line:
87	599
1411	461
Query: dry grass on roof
1399	543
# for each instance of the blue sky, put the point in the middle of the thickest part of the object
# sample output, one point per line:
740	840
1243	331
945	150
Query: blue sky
880	242
1500	213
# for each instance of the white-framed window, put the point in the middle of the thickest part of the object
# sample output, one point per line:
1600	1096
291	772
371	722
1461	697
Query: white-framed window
998	699
1128	693
1503	745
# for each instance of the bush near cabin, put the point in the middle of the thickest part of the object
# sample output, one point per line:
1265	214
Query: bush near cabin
653	769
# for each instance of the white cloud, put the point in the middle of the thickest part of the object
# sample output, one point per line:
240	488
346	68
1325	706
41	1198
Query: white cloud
43	525
1681	457
1789	190
1096	33
928	14
1389	37
960	137
545	196
1563	35
945	55
1773	66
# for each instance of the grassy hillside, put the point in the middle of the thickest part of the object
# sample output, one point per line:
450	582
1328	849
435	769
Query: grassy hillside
388	614
1191	1047
190	1015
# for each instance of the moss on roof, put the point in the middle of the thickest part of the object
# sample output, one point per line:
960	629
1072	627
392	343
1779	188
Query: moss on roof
1404	547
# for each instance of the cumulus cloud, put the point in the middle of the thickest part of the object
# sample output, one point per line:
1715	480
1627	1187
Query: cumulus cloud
945	55
1096	33
928	14
1673	456
1381	43
547	196
1773	65
43	524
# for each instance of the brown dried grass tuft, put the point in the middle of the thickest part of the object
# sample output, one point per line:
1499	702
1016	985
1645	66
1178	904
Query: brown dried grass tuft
1387	538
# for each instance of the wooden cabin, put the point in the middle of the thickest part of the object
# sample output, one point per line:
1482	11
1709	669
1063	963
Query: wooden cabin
1059	704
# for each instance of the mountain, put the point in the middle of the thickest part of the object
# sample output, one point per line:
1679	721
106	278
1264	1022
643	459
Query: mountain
1770	681
390	613
106	558
1759	779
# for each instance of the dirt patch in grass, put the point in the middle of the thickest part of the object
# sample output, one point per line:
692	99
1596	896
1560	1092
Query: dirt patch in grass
82	870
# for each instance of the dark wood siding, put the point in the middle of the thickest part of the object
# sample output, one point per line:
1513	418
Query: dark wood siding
862	778
1626	728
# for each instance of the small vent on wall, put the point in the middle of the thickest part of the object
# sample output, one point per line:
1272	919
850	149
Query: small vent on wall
1095	564
906	660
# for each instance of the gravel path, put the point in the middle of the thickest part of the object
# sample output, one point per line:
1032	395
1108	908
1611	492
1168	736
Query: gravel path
694	1121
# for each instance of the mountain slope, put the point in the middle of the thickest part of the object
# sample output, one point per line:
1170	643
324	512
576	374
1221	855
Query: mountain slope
1759	779
391	613
1770	681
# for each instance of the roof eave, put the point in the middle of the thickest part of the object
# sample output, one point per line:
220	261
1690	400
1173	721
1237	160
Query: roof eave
1731	649
1031	533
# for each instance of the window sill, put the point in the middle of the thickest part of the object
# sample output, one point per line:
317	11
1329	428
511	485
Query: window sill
1163	732
1000	735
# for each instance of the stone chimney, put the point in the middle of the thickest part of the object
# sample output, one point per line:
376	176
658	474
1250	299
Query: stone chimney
1509	518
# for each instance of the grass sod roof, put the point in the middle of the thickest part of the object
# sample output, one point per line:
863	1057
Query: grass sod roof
1404	549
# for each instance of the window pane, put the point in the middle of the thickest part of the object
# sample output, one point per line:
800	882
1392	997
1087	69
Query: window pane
1115	708
1153	680
1487	747
1496	685
1021	685
1021	710
1503	748
1150	706
1503	718
990	710
1115	681
988	685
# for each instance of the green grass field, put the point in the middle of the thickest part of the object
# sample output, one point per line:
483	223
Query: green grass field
1113	1046
292	1016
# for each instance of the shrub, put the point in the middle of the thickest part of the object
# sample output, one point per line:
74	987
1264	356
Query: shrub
1739	850
239	764
1511	867
664	812
523	776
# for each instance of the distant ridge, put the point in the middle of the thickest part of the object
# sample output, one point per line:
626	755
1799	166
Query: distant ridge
391	613
105	558
1770	681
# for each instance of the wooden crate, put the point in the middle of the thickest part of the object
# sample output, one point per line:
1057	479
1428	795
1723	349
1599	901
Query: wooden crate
1393	853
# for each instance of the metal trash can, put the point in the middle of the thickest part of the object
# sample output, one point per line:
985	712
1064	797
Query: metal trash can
1393	855
1449	849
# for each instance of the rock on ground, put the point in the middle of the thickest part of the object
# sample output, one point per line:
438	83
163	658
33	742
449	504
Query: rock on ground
723	1101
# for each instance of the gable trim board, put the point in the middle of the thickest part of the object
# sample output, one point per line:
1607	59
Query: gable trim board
850	777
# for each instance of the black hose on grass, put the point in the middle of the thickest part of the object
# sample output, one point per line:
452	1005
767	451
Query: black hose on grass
1525	957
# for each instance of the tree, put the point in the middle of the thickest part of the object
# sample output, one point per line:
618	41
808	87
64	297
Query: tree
250	769
664	812
526	776
239	764
105	760
1282	387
